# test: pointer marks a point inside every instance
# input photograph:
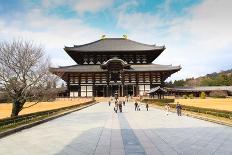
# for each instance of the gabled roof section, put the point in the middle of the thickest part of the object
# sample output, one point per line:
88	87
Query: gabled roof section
115	60
114	44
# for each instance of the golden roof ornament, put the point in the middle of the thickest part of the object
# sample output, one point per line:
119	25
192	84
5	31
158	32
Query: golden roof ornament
124	36
103	36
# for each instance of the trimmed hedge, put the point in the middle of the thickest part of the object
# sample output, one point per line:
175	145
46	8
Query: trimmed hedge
164	101
214	112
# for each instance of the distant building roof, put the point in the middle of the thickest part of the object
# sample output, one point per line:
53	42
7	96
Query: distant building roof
114	44
157	89
203	88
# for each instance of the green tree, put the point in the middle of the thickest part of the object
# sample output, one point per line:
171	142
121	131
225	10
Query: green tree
179	83
203	95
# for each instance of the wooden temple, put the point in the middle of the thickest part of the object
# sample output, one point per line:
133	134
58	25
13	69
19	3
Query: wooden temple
113	65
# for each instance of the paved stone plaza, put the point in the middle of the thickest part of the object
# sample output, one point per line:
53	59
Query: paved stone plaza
98	130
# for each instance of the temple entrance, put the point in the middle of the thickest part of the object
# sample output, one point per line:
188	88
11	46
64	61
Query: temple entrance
99	91
114	89
128	90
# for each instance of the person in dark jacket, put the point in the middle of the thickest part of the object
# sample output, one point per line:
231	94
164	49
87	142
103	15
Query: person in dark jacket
120	106
136	105
178	109
147	106
116	106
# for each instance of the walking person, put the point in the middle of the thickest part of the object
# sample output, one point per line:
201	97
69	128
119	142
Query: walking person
147	106
116	106
120	106
136	105
109	103
167	108
178	109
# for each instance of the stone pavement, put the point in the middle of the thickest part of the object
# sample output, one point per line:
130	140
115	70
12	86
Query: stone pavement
98	130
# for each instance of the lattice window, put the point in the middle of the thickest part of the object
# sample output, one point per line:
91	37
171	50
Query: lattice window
133	77
71	79
126	77
140	77
97	78
103	78
83	78
89	78
76	79
147	77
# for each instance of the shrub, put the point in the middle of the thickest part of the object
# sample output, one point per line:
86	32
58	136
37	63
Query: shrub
191	96
185	96
203	95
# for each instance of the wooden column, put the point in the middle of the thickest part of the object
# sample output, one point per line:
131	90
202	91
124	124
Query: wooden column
122	80
134	93
150	78
119	92
137	82
94	89
123	90
107	90
107	87
68	85
79	82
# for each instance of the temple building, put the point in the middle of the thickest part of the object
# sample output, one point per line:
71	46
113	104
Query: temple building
113	65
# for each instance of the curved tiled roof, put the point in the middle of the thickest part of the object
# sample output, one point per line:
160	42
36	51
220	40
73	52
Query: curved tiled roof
114	44
97	68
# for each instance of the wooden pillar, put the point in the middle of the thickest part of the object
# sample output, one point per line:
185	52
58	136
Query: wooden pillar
79	82
94	88
119	91
68	85
122	80
123	90
136	86
107	90
107	87
133	87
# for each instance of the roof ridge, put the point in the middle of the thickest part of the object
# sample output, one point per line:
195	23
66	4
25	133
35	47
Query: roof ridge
152	45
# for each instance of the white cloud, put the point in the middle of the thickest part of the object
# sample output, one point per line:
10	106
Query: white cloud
53	33
200	41
92	5
80	6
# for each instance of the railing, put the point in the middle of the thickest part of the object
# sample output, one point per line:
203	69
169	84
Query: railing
24	119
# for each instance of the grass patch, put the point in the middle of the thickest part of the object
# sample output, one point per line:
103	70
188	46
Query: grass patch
11	123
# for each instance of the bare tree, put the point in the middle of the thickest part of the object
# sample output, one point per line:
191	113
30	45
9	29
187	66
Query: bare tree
23	72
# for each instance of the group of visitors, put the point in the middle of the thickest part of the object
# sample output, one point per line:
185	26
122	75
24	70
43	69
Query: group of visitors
119	104
178	109
137	106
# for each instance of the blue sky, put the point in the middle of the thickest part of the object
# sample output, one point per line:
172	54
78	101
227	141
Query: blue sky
197	33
